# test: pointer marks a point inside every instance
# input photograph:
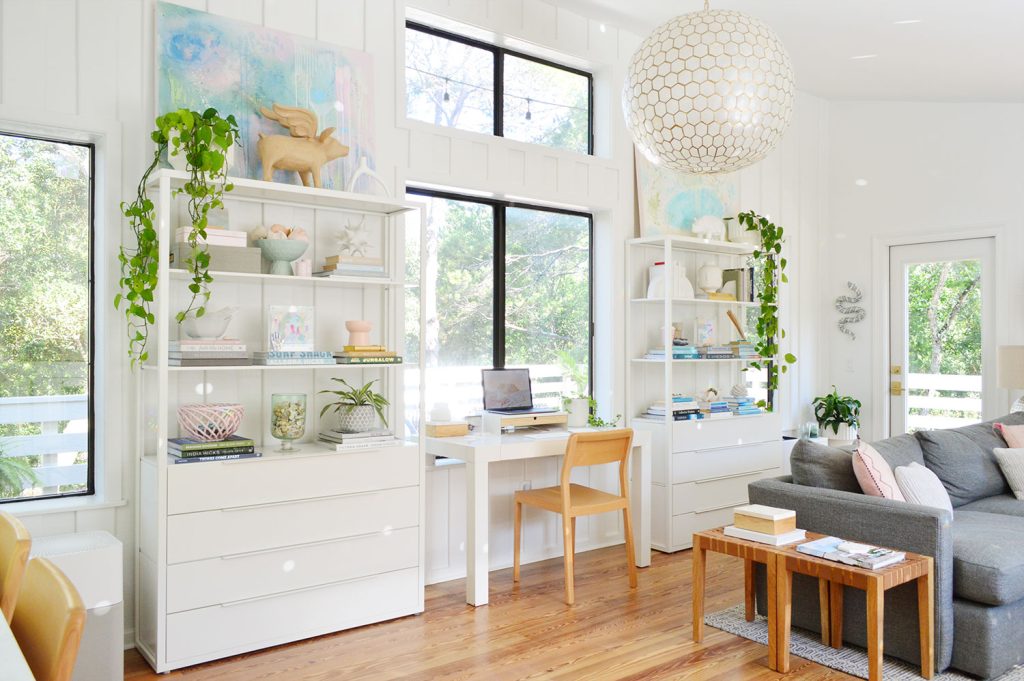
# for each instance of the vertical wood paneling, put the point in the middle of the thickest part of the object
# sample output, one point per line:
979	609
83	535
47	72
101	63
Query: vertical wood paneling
572	32
540	22
342	22
243	10
293	16
97	81
40	64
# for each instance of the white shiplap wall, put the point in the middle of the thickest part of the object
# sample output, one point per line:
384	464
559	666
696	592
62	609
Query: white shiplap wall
86	65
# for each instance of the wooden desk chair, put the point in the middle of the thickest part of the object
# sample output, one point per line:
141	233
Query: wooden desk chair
15	544
48	621
572	501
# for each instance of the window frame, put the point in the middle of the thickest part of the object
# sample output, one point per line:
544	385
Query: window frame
90	474
498	208
498	53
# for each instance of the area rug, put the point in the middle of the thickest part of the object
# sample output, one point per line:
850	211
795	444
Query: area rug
850	659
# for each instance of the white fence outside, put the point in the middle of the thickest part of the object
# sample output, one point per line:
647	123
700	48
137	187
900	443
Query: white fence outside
57	448
937	408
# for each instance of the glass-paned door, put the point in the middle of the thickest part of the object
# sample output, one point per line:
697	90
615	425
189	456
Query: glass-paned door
941	372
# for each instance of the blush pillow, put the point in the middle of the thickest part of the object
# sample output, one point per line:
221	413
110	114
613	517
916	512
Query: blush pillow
920	486
875	474
1014	435
1011	462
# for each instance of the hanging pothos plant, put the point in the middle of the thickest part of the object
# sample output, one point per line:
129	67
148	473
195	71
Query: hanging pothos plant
770	268
203	139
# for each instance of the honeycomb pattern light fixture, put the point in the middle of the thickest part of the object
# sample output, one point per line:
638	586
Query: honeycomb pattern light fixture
709	92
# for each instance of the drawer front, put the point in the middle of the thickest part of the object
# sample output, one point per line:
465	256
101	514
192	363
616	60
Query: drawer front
693	435
222	580
211	534
229	629
723	463
712	495
683	526
226	484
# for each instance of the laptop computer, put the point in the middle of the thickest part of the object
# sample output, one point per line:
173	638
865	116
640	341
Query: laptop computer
509	391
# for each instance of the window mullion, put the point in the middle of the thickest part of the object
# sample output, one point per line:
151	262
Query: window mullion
499	93
499	287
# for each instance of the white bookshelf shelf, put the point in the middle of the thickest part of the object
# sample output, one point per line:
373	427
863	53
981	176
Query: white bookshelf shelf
690	243
284	279
696	422
703	301
272	367
642	360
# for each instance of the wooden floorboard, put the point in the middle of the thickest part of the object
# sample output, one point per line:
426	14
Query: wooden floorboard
527	632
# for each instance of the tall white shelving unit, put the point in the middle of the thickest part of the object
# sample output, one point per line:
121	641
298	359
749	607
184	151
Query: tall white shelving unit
700	469
239	555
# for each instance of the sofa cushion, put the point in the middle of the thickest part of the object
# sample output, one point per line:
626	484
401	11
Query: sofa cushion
1011	463
988	557
920	486
874	474
1005	504
964	462
901	450
816	465
1014	435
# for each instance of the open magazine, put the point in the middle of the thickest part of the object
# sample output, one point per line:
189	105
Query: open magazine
851	553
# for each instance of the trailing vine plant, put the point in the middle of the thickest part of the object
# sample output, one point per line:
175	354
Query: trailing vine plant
203	139
770	269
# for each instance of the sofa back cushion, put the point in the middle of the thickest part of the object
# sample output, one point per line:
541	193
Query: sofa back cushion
963	459
816	465
901	450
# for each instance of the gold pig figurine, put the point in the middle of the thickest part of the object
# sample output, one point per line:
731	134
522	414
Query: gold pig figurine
303	151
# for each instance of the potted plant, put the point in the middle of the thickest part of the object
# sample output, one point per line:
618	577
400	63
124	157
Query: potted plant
839	413
203	139
357	408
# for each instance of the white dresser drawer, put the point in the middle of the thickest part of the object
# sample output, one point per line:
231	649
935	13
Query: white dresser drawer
693	435
217	580
222	630
224	484
210	534
714	494
725	462
683	526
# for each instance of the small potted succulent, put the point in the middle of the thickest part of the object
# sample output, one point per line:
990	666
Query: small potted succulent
357	408
839	414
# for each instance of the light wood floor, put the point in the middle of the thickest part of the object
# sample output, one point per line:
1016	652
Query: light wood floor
527	632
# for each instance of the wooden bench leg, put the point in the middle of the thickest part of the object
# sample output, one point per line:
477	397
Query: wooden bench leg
783	614
835	607
926	620
773	613
699	565
823	608
748	588
876	624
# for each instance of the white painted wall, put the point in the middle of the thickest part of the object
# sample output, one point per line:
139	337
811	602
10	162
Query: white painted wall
90	69
931	169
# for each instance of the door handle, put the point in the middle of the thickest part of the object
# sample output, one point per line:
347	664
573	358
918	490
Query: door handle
896	388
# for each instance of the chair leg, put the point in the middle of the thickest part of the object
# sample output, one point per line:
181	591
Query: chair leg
574	535
517	541
570	594
627	526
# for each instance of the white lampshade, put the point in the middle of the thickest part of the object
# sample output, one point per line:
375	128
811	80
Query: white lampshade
1010	366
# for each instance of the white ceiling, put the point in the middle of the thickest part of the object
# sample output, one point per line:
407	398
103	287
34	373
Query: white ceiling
964	51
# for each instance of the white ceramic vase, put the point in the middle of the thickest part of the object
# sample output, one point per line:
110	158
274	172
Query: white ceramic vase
843	435
578	411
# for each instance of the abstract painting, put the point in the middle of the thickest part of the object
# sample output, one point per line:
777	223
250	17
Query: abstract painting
204	60
671	200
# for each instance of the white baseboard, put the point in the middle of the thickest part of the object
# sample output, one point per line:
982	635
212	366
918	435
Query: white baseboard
129	639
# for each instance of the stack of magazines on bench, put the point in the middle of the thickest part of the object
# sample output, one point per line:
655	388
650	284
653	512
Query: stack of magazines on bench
851	553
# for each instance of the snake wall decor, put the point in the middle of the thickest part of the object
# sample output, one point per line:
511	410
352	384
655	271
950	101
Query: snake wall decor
847	306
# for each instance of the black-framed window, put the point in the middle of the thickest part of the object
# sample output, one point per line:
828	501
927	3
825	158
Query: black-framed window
506	285
458	82
46	318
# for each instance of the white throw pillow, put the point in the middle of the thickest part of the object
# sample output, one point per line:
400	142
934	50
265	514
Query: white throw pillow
920	486
1011	462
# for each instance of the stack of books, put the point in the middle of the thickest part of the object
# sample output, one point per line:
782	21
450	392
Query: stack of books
739	281
370	439
289	357
744	350
187	450
216	236
678	352
859	555
715	409
716	352
686	409
743	406
366	354
765	525
352	266
203	352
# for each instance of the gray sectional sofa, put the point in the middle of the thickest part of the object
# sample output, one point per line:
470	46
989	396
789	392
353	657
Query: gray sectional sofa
978	550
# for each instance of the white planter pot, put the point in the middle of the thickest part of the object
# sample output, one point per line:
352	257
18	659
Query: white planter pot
359	420
578	411
844	434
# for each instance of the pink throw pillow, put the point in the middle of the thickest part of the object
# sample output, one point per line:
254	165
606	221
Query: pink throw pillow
1014	435
875	474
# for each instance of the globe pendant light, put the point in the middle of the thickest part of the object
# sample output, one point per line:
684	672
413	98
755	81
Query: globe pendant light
709	92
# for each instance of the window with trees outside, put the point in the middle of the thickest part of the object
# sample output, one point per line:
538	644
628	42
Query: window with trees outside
506	285
46	346
458	82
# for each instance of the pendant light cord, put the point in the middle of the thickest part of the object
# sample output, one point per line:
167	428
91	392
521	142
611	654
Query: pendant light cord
707	5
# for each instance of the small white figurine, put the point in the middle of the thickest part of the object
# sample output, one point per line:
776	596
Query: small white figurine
709	227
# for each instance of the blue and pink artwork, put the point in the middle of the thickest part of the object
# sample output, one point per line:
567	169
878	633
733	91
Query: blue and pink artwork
671	200
205	60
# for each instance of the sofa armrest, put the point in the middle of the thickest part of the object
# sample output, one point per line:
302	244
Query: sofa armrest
873	520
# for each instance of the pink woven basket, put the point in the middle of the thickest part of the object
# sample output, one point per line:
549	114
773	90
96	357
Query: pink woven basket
210	422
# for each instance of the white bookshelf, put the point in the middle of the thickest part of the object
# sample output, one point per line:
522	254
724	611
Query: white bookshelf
701	468
349	526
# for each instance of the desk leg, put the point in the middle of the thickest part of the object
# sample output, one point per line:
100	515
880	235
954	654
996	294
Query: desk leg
783	614
640	500
926	619
477	523
699	565
773	612
876	623
823	609
835	609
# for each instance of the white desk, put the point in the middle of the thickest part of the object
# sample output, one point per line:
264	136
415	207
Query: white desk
12	663
478	451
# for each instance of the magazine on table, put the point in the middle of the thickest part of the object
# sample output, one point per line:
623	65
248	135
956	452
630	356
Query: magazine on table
851	553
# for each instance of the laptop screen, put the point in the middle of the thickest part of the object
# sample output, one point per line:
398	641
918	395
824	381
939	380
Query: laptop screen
507	389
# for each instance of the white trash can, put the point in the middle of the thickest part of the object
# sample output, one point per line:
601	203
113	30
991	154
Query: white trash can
93	563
